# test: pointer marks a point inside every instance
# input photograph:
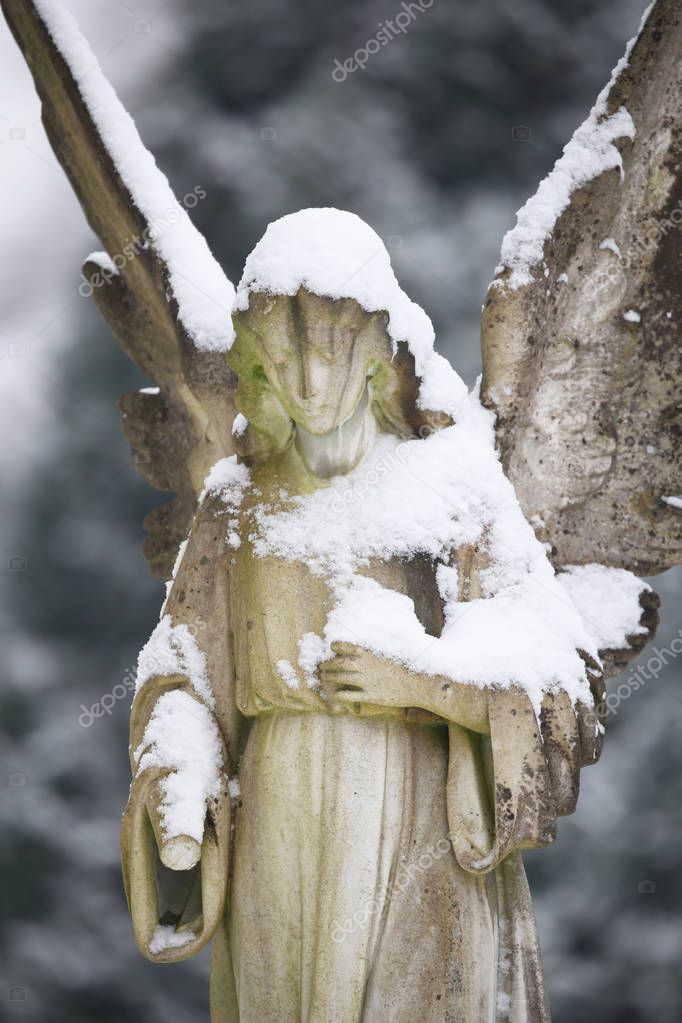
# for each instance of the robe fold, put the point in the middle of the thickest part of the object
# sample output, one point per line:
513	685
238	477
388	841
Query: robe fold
372	873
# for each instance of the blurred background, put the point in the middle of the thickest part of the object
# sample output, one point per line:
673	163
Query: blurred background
436	143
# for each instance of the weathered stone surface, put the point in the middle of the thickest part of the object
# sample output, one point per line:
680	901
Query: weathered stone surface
588	402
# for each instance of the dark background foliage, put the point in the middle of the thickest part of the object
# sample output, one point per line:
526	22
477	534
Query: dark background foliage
424	144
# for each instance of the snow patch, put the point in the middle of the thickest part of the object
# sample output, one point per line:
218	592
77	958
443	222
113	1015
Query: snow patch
610	244
608	600
182	737
239	425
334	253
173	650
588	154
205	309
165	936
227	479
288	675
444	492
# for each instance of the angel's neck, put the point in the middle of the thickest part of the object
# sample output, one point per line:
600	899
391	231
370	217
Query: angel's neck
340	450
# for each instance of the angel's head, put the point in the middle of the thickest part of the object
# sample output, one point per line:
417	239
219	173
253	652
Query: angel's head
318	320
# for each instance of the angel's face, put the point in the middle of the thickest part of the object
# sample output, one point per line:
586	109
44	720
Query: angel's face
320	381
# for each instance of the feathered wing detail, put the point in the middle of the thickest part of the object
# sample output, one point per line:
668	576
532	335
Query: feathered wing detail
158	287
581	338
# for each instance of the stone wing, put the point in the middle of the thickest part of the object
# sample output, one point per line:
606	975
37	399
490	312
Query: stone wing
581	328
157	285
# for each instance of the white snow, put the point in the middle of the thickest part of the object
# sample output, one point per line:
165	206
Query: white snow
204	294
334	253
588	154
674	502
104	261
288	674
608	600
239	425
226	479
312	649
165	936
150	390
445	491
610	244
173	650
632	316
182	737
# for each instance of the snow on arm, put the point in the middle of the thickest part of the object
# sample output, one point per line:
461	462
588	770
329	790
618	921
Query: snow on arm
443	492
205	308
173	650
182	737
608	599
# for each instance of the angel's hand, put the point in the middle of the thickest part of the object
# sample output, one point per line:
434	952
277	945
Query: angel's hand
356	675
560	724
182	852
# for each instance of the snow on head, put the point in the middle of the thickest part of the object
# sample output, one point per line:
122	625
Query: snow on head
336	254
204	307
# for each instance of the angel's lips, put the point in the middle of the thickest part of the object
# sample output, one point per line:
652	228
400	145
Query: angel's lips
339	450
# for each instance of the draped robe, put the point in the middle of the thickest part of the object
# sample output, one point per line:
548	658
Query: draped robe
371	871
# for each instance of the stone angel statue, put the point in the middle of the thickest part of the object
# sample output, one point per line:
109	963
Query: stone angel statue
392	603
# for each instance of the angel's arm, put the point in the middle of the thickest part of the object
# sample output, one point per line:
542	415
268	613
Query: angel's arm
356	675
184	744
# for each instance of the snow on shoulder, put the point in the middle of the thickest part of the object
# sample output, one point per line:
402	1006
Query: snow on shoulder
336	254
204	309
430	497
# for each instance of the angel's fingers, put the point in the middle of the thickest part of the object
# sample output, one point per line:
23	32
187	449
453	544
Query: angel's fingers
591	734
346	649
339	666
562	749
339	680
